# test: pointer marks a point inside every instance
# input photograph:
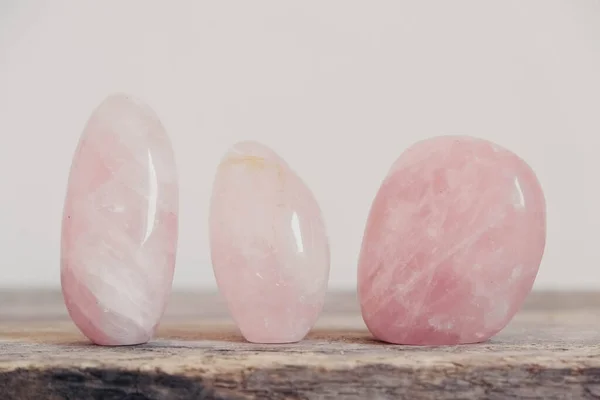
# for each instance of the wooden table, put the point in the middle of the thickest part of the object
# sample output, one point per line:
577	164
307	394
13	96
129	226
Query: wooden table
550	351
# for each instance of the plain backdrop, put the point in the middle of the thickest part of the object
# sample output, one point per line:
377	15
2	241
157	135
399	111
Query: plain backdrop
337	88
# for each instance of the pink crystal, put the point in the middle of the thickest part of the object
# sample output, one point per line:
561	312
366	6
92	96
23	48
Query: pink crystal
452	245
269	247
119	233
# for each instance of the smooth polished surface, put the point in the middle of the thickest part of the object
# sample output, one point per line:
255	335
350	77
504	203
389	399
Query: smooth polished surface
119	233
453	243
269	247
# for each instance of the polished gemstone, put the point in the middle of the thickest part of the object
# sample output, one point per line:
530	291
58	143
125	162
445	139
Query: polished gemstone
119	232
453	243
270	251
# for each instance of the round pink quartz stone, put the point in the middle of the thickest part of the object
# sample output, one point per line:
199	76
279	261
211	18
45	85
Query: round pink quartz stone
119	232
453	243
270	251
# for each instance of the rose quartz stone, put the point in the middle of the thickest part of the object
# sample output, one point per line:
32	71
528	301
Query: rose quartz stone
453	243
270	251
119	232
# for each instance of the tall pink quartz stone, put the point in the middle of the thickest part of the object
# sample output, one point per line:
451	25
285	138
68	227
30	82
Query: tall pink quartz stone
452	245
119	232
269	247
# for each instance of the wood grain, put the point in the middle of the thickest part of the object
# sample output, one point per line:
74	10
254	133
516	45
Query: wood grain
549	351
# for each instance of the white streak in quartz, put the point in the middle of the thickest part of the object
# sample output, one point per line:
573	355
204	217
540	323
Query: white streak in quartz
152	197
297	233
519	192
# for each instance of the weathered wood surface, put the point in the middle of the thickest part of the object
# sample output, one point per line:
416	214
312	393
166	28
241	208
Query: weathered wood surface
550	351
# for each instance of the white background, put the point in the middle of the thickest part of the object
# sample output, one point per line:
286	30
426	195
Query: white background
338	88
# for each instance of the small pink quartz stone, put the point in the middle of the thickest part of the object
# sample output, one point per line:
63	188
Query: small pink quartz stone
452	245
270	251
119	232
